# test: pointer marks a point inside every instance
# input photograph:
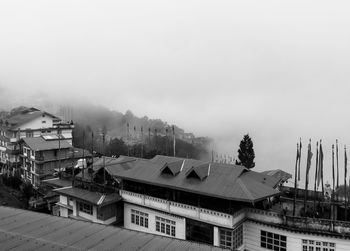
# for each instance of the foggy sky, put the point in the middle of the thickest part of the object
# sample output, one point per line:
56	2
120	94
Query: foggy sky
278	70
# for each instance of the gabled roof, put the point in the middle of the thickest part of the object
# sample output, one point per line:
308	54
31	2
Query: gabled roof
201	171
224	181
94	198
22	117
40	144
173	168
278	174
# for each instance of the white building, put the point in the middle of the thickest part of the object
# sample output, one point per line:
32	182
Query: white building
218	204
28	123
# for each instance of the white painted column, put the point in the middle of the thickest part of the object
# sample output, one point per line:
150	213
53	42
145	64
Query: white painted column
216	237
75	208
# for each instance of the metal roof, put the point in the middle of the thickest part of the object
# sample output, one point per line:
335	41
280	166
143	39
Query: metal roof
227	181
40	144
279	174
57	182
27	230
95	198
27	115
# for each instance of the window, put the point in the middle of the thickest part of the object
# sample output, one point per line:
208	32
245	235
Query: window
139	218
29	134
273	241
231	239
85	208
165	226
311	245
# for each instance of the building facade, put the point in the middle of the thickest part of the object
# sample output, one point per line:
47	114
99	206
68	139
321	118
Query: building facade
27	123
218	204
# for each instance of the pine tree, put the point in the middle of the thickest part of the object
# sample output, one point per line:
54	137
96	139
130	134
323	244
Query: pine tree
246	153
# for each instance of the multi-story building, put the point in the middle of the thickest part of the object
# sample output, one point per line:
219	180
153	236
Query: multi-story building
47	155
28	123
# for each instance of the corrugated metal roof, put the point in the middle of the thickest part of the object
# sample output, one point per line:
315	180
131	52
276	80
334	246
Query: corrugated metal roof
40	144
57	182
278	174
225	181
27	230
95	198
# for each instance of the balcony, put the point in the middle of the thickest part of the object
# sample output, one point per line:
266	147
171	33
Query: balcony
13	140
196	213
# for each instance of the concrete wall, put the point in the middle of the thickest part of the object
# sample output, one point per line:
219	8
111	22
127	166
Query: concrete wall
40	122
180	225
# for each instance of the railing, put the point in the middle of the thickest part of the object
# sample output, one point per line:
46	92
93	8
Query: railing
226	220
193	212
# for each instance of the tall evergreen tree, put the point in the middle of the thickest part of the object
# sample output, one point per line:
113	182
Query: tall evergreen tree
246	153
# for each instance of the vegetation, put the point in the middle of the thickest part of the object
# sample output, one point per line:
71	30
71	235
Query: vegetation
84	137
246	153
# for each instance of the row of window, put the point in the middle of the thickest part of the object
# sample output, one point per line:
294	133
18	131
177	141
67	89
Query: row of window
311	245
163	225
85	208
139	218
28	152
273	241
231	239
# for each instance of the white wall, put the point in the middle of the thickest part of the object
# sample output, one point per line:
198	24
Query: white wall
252	230
38	123
90	217
180	225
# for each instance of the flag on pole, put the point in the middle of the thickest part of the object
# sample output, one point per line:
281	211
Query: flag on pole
320	167
336	152
296	178
345	164
300	146
308	164
345	189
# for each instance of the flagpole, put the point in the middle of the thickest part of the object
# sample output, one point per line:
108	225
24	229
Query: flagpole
92	152
174	140
295	178
300	146
345	190
308	165
141	142
337	168
127	137
333	177
316	170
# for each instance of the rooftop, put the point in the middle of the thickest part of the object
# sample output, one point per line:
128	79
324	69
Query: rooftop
41	144
96	198
27	230
279	174
226	181
25	116
57	182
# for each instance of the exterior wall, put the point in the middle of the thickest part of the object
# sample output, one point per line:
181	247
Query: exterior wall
294	240
41	122
180	231
89	217
195	213
63	203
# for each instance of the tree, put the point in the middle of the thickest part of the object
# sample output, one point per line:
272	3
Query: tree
246	153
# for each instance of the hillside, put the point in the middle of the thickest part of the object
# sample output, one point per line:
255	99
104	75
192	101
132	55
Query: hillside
123	134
